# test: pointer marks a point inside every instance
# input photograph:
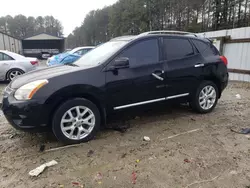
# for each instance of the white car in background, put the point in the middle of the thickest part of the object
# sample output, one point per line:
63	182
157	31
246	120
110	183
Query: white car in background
13	65
68	56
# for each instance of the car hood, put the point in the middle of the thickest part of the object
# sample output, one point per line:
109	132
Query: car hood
41	74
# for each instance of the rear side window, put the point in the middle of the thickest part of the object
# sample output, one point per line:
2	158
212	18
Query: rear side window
206	49
177	48
1	56
142	53
4	57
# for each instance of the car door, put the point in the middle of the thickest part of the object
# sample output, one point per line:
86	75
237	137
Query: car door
5	63
140	83
183	66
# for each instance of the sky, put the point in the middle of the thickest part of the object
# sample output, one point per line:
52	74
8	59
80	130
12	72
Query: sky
70	13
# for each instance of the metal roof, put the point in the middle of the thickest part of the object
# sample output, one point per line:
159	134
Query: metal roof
44	36
9	35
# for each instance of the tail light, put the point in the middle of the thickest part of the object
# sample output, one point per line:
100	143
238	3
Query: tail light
34	62
224	59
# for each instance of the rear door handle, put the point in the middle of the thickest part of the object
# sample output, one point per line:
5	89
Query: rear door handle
154	74
199	65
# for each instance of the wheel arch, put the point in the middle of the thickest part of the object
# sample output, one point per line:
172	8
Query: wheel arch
76	91
11	69
217	82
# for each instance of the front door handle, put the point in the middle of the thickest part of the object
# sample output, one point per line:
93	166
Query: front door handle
157	76
199	65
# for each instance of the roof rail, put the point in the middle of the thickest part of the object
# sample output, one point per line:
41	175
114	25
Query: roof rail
171	32
126	37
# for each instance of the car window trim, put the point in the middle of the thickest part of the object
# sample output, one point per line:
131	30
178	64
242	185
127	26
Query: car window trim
165	57
160	59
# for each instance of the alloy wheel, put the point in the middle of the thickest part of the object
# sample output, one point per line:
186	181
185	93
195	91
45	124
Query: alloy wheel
78	122
207	97
13	74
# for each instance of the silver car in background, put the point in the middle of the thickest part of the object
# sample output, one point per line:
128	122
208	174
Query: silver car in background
13	65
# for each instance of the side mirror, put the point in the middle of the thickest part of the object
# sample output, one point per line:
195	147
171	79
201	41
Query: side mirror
121	63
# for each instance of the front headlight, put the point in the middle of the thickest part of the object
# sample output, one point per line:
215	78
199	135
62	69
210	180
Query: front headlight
27	91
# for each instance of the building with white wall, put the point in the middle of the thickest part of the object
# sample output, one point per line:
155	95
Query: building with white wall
10	43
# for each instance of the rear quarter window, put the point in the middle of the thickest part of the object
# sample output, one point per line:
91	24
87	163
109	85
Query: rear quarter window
205	48
5	57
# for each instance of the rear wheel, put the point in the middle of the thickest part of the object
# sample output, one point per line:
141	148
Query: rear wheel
76	121
205	98
12	74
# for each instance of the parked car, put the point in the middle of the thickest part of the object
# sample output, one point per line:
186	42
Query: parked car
69	56
13	65
123	73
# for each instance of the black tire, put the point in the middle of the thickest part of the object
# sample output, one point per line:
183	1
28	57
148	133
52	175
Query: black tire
56	123
8	75
195	105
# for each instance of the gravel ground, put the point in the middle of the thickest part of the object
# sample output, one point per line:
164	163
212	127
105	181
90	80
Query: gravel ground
211	156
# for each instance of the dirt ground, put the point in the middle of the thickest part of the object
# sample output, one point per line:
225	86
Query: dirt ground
210	157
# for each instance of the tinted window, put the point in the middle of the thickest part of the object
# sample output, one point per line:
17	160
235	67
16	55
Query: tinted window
142	53
177	48
206	49
4	57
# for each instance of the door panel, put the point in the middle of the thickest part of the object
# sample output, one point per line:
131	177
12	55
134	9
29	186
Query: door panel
4	65
133	85
136	84
182	75
183	66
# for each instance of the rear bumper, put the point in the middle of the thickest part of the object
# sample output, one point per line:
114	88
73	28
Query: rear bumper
32	68
24	115
224	82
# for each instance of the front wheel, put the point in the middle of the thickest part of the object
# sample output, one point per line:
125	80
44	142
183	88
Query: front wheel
76	121
205	98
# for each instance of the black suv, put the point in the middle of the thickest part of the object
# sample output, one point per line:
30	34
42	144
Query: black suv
123	73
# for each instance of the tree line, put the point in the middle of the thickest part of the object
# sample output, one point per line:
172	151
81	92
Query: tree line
131	17
21	26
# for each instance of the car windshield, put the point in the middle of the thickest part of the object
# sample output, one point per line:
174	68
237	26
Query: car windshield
66	51
101	53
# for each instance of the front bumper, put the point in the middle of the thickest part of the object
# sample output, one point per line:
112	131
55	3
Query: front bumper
24	114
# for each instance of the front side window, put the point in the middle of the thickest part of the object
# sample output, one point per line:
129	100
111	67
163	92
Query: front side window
177	48
142	53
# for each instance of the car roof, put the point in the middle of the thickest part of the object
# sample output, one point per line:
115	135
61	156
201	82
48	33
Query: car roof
12	54
159	34
124	38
